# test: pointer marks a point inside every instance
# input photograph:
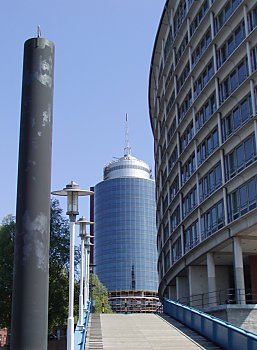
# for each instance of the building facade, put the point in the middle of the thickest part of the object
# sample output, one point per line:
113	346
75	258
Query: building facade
202	102
125	253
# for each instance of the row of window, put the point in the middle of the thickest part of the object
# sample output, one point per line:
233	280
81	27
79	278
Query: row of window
240	201
243	199
231	44
219	21
199	16
179	16
240	157
225	13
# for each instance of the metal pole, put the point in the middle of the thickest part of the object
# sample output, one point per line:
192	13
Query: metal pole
85	281
81	313
70	329
88	261
31	253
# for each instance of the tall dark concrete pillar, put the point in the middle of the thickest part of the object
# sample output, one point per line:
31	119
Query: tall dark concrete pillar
31	255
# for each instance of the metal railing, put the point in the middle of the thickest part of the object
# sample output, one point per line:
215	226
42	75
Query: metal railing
81	332
220	297
222	333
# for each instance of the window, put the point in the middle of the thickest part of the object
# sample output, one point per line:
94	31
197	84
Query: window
166	232
191	236
243	199
208	146
234	79
212	220
252	19
176	250
175	218
225	13
205	112
240	157
185	105
189	202
187	136
203	79
188	169
204	43
181	48
237	117
199	16
183	77
173	158
174	188
210	182
172	129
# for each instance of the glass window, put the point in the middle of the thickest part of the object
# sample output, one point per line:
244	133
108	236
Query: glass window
236	118
233	80
232	163
209	145
243	196
231	45
248	149
217	171
240	157
215	138
242	72
211	181
214	218
252	193
245	110
220	214
235	204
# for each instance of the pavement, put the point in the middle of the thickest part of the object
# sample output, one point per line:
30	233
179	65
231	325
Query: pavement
142	331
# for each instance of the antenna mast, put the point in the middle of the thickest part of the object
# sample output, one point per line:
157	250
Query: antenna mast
127	149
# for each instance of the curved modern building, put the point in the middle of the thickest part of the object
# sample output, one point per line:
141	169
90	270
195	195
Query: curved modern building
125	235
202	102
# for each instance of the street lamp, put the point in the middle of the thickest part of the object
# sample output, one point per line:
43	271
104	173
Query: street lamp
82	222
72	191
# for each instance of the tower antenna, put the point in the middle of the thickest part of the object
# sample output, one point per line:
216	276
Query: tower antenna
127	149
39	31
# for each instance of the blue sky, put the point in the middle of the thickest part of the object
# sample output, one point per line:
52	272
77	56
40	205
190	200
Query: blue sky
102	61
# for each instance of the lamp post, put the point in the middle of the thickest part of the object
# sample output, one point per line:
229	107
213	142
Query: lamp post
82	222
72	191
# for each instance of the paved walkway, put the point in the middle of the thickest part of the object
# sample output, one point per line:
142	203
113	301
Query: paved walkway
143	331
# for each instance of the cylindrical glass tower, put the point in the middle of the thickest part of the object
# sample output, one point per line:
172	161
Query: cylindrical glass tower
125	235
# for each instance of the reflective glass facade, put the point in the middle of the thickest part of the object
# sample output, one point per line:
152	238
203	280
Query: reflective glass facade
125	234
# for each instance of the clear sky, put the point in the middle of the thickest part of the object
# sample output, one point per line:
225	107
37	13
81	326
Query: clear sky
102	62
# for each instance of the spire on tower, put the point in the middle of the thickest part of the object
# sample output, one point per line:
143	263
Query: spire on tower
127	149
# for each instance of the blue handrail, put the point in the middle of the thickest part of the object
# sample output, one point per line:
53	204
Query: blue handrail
81	332
220	332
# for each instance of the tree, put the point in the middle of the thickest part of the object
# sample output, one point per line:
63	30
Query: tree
58	268
7	231
99	295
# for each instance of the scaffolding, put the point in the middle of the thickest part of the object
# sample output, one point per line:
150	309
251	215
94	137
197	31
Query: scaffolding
133	301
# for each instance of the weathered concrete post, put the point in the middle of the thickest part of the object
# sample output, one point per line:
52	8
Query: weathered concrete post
31	256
